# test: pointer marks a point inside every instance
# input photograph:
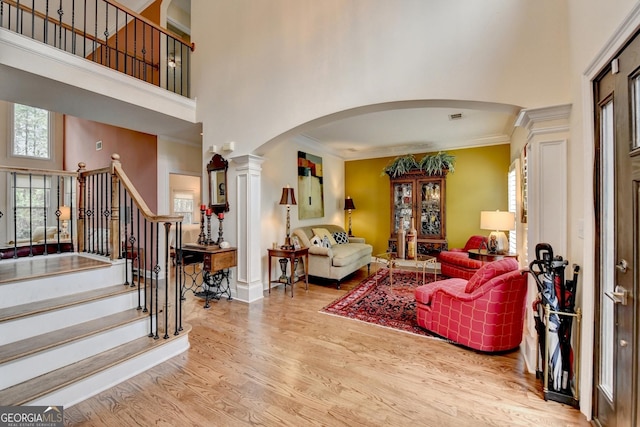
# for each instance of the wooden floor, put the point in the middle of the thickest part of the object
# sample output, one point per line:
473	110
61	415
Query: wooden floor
279	362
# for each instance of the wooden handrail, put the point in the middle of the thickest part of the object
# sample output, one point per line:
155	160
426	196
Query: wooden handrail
36	171
116	168
191	45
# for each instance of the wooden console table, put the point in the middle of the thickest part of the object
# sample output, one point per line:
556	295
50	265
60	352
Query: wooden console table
291	255
216	263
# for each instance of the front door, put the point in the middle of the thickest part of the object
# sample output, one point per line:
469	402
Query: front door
617	94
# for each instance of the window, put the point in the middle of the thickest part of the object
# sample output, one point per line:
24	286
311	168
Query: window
32	200
183	205
513	236
31	135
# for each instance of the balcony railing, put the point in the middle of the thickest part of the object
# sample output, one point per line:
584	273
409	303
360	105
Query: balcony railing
107	33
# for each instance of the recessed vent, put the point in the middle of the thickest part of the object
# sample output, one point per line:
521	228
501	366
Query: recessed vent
455	116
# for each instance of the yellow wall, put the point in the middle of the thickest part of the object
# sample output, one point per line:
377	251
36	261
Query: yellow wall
478	183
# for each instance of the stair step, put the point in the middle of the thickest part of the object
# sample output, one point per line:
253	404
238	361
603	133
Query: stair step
28	391
37	307
29	346
46	266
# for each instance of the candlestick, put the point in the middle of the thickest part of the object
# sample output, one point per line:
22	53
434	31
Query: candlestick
201	236
209	241
220	219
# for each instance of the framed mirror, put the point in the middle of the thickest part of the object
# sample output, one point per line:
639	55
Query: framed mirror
217	171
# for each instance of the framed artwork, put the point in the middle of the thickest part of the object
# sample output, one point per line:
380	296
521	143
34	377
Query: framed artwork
296	242
310	186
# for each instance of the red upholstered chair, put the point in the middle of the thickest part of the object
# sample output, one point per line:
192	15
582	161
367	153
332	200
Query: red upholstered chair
456	262
485	313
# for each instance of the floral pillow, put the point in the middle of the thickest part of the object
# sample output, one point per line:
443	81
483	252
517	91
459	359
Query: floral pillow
341	237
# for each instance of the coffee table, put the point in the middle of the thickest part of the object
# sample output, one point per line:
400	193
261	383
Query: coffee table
420	262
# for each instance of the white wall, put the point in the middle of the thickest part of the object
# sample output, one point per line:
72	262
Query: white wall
175	157
279	170
268	67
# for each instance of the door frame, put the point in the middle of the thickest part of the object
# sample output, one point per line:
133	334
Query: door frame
616	42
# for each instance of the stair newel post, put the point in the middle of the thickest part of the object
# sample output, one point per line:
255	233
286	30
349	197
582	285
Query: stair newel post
167	229
114	235
82	185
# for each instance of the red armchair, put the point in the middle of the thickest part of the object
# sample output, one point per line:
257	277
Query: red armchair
456	262
485	313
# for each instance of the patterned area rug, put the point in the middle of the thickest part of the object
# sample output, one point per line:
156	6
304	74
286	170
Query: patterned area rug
375	301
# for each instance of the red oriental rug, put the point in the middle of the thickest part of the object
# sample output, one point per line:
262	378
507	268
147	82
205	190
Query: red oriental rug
374	301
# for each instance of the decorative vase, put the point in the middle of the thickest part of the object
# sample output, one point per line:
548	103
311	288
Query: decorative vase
411	241
402	235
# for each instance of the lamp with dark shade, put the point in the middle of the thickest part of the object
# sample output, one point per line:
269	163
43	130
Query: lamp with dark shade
288	198
349	206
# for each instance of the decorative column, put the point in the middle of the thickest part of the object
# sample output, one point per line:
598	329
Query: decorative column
247	178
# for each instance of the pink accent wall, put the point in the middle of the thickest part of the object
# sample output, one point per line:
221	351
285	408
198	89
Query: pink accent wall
138	153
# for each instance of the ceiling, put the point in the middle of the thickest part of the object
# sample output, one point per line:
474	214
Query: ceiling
422	129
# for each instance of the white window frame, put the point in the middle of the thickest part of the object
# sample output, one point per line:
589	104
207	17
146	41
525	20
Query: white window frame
50	134
191	195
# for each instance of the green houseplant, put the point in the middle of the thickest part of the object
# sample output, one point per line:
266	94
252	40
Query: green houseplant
431	164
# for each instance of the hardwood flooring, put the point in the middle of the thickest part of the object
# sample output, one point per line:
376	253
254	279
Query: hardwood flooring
280	362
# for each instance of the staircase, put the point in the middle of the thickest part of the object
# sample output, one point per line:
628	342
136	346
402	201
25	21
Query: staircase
70	329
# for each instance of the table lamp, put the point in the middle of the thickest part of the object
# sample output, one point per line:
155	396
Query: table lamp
64	217
498	222
288	198
349	206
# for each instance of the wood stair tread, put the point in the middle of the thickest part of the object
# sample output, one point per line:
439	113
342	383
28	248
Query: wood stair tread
29	309
27	391
45	266
32	345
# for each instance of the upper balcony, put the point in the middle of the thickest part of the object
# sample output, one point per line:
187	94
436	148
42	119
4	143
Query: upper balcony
97	60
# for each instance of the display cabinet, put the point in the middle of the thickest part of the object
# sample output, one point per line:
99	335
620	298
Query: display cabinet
421	198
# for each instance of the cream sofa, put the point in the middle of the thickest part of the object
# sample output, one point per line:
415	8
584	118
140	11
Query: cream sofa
339	260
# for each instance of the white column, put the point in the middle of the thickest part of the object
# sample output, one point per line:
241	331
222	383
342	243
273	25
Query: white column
547	187
247	172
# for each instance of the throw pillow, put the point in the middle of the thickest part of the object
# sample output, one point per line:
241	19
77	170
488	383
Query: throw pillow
322	232
325	242
489	271
316	241
341	237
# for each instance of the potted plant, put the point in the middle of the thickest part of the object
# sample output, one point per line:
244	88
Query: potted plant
430	164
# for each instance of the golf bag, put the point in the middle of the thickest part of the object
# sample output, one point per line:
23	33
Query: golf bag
553	290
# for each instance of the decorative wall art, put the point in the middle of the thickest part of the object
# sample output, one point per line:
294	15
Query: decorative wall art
310	186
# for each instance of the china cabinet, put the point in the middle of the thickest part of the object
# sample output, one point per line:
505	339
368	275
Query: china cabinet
418	197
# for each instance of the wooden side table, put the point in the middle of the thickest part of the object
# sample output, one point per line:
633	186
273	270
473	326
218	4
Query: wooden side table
291	255
483	255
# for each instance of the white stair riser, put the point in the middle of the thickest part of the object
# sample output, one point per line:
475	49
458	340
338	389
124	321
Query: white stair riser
90	386
31	366
27	327
32	290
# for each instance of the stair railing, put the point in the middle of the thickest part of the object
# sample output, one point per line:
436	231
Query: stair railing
114	221
108	33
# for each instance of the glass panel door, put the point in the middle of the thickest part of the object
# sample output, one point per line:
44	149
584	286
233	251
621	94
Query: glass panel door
430	217
402	205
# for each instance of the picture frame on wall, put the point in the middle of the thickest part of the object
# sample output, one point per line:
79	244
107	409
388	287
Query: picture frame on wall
296	242
310	186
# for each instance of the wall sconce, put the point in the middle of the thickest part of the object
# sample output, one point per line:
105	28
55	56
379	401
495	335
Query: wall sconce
288	198
349	206
498	222
64	217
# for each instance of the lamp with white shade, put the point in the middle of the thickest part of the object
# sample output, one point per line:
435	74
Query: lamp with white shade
498	222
